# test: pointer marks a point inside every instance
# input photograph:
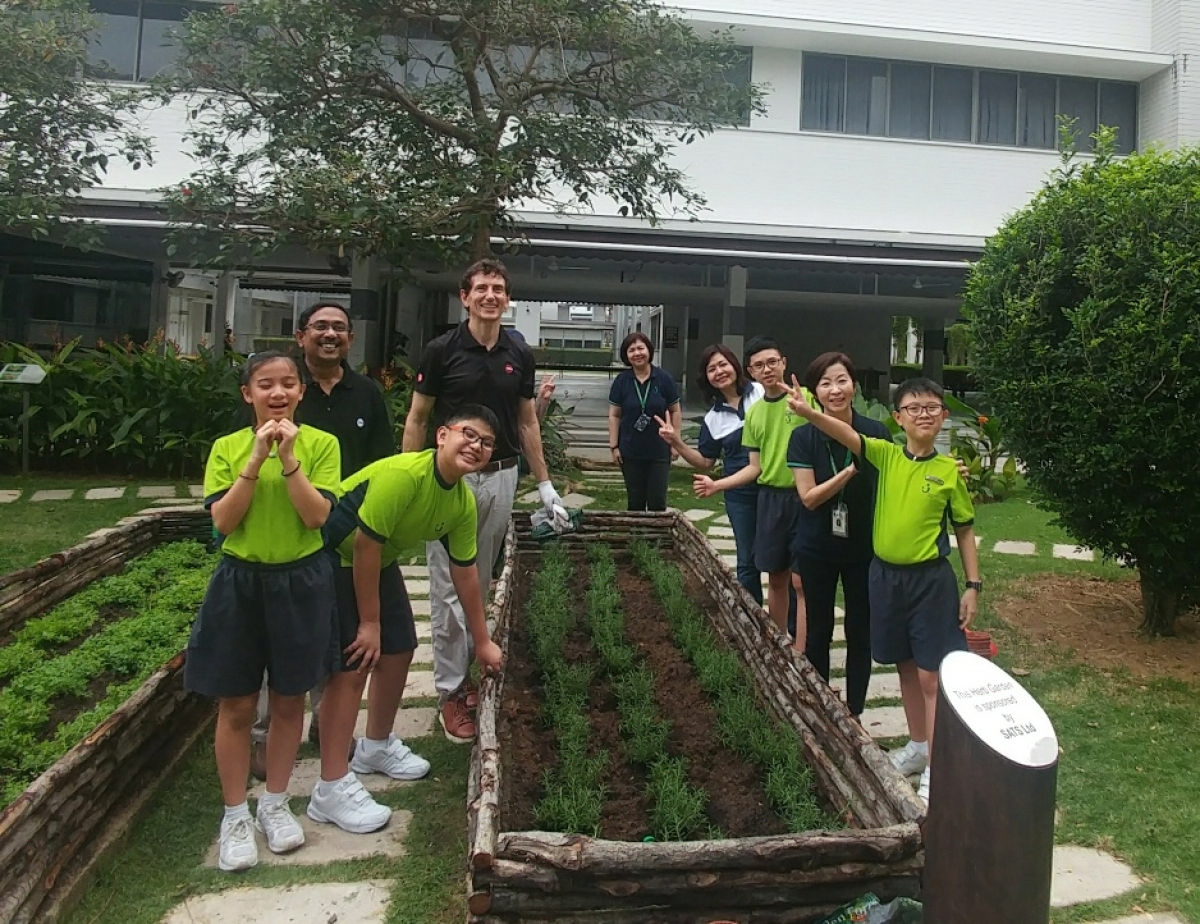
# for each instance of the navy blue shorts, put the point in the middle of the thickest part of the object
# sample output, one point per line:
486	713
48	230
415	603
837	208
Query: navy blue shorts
255	616
914	613
775	528
397	631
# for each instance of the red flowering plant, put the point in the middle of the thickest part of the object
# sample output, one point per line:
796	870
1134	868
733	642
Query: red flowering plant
977	440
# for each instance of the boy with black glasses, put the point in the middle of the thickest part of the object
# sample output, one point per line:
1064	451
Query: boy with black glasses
917	614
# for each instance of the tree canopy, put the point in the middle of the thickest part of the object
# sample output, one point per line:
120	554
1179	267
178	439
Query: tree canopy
1086	314
391	126
58	130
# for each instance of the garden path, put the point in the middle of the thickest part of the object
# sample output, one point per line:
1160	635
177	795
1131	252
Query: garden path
1080	874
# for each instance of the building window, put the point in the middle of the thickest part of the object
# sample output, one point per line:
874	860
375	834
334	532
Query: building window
905	99
134	39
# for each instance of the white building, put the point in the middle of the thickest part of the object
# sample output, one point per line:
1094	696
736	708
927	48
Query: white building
896	137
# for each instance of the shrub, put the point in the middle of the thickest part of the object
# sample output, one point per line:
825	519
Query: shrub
1087	340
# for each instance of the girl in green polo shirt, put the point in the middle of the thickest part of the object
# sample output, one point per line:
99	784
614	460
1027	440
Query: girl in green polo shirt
270	604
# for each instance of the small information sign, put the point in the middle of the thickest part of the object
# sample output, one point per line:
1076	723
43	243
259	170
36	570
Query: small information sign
22	373
998	710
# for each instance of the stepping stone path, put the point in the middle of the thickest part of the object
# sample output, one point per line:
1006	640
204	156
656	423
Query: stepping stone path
1080	874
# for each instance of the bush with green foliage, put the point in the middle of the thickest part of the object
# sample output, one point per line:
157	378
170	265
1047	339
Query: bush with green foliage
1086	314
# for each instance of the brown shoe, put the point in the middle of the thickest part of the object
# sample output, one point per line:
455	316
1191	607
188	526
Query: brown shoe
258	760
456	722
470	694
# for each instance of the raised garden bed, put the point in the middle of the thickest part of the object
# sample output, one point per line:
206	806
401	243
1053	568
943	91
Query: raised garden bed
746	859
53	832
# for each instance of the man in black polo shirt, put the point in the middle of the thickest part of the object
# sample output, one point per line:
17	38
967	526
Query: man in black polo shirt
477	362
347	404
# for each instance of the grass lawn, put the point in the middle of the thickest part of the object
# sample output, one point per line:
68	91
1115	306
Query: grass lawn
34	530
1126	779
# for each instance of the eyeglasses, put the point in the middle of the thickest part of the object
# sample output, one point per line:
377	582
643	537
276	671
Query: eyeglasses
916	410
766	364
338	327
471	435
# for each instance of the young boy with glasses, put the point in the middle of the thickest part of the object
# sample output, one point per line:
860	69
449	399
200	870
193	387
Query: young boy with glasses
917	615
386	509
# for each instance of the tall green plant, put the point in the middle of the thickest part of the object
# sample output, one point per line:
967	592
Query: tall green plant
978	441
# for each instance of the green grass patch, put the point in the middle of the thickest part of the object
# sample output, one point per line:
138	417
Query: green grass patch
33	530
60	679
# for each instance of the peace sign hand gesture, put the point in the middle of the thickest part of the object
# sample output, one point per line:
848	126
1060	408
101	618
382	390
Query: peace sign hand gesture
666	431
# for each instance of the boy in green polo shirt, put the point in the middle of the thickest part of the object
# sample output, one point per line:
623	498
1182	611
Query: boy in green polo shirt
767	429
386	508
917	615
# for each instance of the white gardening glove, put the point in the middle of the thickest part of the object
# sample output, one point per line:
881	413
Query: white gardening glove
556	511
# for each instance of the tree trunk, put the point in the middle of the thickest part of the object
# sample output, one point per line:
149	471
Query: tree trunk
1160	604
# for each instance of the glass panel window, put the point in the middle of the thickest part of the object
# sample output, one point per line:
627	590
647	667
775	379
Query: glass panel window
822	97
1035	112
112	48
997	115
161	22
1077	99
866	96
908	107
953	98
1118	109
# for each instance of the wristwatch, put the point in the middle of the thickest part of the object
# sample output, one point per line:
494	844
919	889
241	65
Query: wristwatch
974	585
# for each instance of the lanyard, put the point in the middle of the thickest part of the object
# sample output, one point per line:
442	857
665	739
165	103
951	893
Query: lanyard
833	465
643	398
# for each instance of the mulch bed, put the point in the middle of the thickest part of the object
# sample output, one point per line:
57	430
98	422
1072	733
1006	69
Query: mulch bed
737	804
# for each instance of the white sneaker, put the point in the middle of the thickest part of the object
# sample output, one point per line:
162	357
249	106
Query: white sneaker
908	760
396	760
237	847
923	788
280	826
348	805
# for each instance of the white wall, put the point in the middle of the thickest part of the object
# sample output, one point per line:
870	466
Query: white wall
1103	23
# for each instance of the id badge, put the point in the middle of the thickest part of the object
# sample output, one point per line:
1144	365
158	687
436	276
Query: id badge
641	423
839	522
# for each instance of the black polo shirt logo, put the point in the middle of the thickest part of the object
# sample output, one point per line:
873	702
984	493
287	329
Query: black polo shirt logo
508	368
361	423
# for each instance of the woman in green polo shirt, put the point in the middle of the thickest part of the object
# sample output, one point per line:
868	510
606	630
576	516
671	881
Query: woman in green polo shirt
270	604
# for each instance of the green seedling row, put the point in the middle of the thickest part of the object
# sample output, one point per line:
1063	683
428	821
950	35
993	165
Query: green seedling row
158	595
677	808
573	790
742	725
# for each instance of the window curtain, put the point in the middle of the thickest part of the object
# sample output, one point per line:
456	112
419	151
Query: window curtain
822	98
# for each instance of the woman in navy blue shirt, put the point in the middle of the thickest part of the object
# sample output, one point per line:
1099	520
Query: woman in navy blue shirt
638	395
730	393
833	541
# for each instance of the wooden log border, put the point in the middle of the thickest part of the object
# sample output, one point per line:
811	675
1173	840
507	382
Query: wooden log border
542	876
73	815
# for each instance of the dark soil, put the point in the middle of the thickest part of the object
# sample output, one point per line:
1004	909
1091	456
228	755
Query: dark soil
737	804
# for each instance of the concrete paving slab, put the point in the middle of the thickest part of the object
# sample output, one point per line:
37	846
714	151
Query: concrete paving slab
697	514
327	843
307	772
885	684
723	545
103	493
722	520
8	495
196	490
729	560
411	722
885	722
574	499
423	654
417	588
414	572
1073	552
719	532
1082	874
1147	919
532	497
1009	547
52	494
420	607
420	683
318	903
156	490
